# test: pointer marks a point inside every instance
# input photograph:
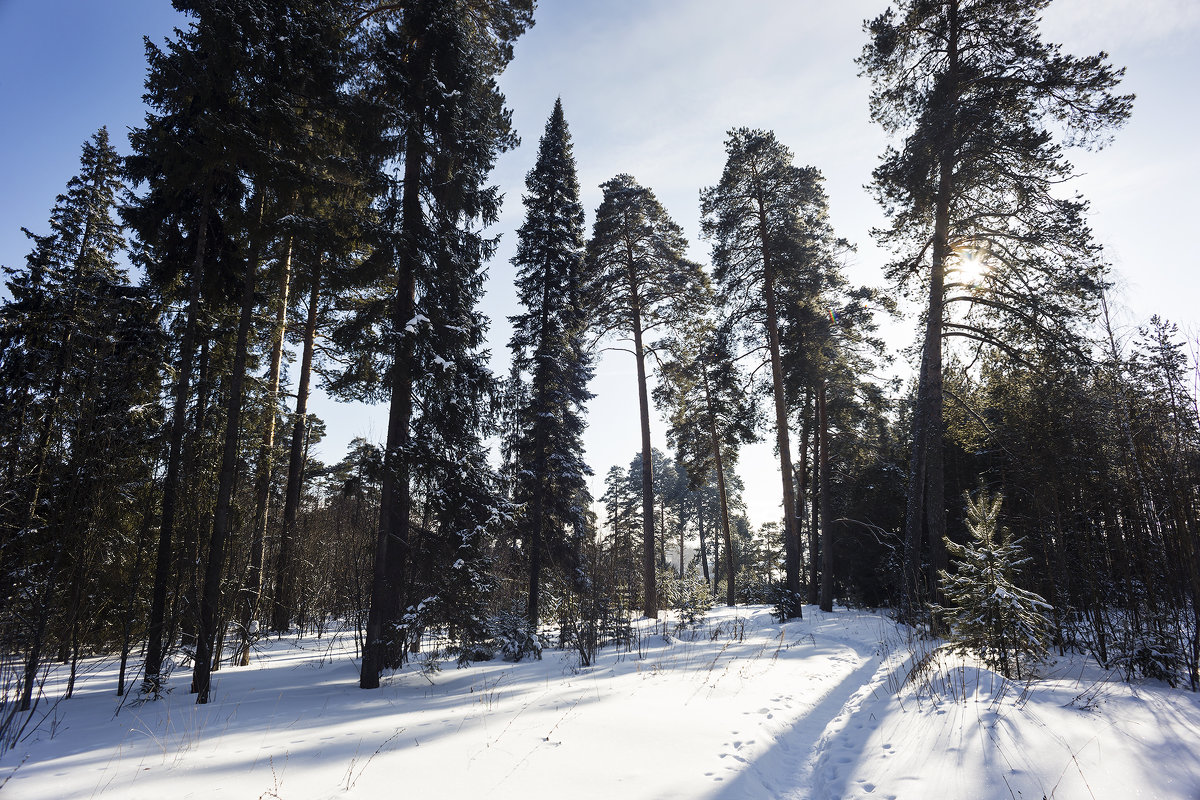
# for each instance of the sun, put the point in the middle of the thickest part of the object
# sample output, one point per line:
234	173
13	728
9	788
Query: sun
968	267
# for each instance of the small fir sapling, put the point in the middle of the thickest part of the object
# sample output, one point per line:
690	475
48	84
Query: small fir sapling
988	613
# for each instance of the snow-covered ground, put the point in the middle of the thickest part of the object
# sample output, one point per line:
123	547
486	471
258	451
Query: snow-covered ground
741	708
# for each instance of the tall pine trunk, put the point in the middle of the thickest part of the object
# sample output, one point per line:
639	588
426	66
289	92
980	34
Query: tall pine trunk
806	427
285	570
649	587
925	515
826	529
791	544
133	589
252	590
722	493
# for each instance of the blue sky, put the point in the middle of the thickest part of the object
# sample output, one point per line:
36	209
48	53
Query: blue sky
649	87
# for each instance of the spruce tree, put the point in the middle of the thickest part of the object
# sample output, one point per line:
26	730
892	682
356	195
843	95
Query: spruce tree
548	344
639	280
989	614
185	167
417	340
983	103
78	354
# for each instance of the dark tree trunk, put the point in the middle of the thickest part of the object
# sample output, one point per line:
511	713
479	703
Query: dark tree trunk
791	528
826	526
252	590
535	557
151	673
285	569
187	582
649	587
392	540
135	582
805	429
791	544
210	599
925	515
721	493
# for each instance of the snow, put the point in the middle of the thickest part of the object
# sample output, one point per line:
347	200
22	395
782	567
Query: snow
741	707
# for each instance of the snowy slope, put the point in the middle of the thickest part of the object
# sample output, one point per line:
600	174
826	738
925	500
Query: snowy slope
742	708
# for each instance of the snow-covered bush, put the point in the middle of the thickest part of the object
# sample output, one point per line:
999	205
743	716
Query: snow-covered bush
988	613
753	588
687	595
512	637
1150	653
785	604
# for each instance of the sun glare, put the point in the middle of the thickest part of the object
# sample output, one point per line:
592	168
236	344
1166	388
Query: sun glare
969	267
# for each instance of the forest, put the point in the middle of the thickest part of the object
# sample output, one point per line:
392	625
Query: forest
307	203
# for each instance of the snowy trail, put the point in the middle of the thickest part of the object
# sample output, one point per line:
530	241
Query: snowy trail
741	709
786	769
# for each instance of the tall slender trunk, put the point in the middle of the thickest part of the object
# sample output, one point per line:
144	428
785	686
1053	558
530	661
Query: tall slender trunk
649	587
540	462
151	673
210	599
392	539
826	529
791	546
33	658
285	570
722	492
535	544
135	582
805	430
791	527
252	590
682	526
925	515
187	583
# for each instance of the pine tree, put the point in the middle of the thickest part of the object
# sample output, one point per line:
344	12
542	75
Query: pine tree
979	97
623	519
710	415
765	217
333	180
548	344
639	280
990	615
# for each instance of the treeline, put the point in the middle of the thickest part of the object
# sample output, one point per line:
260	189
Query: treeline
311	180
